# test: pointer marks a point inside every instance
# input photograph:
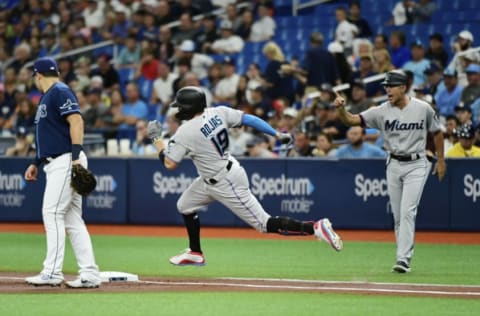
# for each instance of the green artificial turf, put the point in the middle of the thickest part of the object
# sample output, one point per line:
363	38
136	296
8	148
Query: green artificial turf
237	303
295	259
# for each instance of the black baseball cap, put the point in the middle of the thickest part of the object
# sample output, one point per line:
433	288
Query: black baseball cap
395	78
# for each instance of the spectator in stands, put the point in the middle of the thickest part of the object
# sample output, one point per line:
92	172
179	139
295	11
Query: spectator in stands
263	29
366	70
23	144
356	18
134	108
464	148
261	103
191	79
239	138
448	95
186	30
357	148
345	31
205	38
229	43
21	56
472	91
97	107
359	101
129	55
245	27
165	50
399	52
182	67
148	66
400	14
226	89
418	64
164	13
121	24
110	77
463	43
257	147
94	14
67	73
186	6
163	85
422	11
142	144
319	66
149	30
324	146
25	115
436	51
172	123
344	68
302	146
382	62
231	15
199	63
434	78
111	119
380	42
463	112
449	135
277	82
50	45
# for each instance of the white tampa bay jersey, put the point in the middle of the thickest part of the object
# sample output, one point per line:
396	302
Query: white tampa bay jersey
404	130
204	138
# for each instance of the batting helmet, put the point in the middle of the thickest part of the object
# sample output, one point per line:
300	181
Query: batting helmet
190	100
395	78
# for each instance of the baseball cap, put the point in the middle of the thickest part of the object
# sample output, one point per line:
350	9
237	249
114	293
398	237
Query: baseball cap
358	83
226	25
466	35
228	61
395	78
187	46
290	112
436	36
417	43
22	131
335	47
473	68
422	89
450	72
463	107
466	131
432	68
43	65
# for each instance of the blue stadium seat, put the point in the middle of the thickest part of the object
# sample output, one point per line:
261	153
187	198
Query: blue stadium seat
145	88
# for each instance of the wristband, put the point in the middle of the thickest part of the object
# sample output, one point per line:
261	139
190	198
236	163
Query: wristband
161	156
76	149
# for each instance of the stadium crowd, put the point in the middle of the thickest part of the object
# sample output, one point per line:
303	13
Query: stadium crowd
122	86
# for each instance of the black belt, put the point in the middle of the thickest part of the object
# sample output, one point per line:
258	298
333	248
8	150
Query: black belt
411	157
214	181
48	159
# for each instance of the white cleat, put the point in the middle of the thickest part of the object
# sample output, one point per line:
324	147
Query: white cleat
188	258
324	231
45	279
79	284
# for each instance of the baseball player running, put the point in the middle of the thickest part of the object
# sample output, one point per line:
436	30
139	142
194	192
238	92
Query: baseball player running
204	138
404	123
59	135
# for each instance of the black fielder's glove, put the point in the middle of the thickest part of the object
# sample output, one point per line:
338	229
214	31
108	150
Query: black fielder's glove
83	180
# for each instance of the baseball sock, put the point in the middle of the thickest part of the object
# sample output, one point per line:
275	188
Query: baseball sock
192	223
289	226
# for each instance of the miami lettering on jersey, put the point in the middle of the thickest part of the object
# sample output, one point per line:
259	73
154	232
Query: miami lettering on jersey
396	125
212	124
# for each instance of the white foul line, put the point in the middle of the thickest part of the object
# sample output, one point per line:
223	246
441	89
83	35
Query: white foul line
306	288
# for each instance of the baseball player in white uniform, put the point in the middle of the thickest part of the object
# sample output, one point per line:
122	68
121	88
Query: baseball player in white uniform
58	137
204	138
404	123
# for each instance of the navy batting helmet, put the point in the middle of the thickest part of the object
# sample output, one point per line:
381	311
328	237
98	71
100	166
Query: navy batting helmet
395	78
190	100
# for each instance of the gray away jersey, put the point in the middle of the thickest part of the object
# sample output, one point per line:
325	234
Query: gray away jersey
205	139
404	130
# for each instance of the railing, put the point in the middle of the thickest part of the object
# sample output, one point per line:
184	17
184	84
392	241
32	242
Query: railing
296	5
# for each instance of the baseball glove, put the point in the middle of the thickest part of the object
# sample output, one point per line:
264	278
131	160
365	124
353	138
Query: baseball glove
83	180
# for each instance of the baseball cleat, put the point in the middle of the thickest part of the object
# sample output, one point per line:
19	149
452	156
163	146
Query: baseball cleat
324	231
401	267
80	283
44	279
188	258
